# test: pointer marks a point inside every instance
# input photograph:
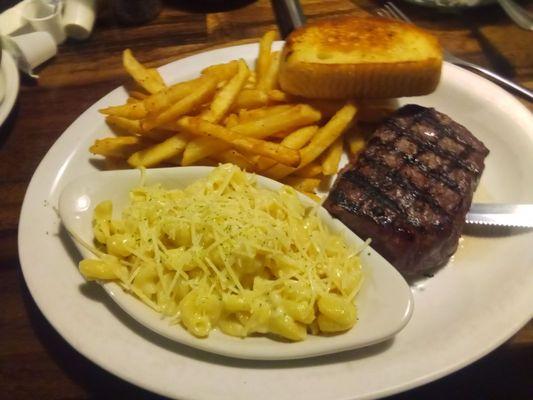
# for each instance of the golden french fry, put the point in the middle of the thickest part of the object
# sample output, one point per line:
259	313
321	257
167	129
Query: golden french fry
154	103
138	95
224	99
279	135
278	171
248	115
131	100
186	105
222	72
356	143
293	118
125	125
268	80
326	135
309	171
162	100
231	120
156	77
250	98
135	110
170	148
251	81
263	59
278	96
158	135
234	157
119	147
202	147
320	141
280	153
300	137
302	184
295	140
332	157
262	163
147	78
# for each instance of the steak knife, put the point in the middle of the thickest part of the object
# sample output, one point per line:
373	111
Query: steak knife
512	215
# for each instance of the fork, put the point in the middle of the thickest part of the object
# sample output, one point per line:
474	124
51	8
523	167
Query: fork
391	11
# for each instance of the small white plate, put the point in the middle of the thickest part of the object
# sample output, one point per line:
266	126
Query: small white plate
384	304
10	76
471	306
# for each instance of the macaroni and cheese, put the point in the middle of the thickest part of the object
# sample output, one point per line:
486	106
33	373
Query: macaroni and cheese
224	253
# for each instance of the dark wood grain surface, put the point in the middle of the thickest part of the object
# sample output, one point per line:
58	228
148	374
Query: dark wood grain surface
35	362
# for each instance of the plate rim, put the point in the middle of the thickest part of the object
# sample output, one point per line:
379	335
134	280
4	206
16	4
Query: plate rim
12	83
414	382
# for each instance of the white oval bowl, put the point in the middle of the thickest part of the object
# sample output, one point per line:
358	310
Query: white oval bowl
384	303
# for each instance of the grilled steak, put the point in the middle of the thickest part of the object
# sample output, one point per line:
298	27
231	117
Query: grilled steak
410	189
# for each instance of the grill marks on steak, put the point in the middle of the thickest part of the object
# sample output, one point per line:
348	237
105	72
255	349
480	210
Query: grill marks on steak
411	188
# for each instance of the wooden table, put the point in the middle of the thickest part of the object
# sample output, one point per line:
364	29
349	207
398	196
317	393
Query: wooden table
35	362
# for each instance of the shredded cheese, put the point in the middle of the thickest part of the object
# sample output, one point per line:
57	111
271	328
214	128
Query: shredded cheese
226	253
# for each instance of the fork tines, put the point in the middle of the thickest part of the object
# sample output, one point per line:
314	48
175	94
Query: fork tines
390	10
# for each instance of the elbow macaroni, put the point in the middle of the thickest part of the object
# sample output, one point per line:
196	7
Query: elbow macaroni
225	254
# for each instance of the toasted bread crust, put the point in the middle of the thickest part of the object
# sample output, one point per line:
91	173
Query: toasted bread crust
352	57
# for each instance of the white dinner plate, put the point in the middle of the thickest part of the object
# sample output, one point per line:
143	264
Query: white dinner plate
472	305
9	75
384	303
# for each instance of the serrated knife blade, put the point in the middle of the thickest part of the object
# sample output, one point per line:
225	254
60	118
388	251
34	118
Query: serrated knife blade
514	215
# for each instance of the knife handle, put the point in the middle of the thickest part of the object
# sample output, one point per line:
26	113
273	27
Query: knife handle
289	15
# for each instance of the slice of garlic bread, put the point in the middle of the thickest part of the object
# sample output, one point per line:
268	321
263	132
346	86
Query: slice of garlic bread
355	57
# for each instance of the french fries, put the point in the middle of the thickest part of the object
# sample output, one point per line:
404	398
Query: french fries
170	148
222	72
326	135
131	110
293	118
250	99
135	94
234	157
310	171
124	125
268	80
249	115
186	105
147	78
117	147
232	114
280	153
302	184
332	157
224	99
264	57
356	143
160	101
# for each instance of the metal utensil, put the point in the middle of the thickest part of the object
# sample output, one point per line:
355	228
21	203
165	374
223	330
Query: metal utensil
518	14
391	11
289	15
515	215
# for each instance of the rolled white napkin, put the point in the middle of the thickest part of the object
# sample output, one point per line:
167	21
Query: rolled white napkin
30	50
